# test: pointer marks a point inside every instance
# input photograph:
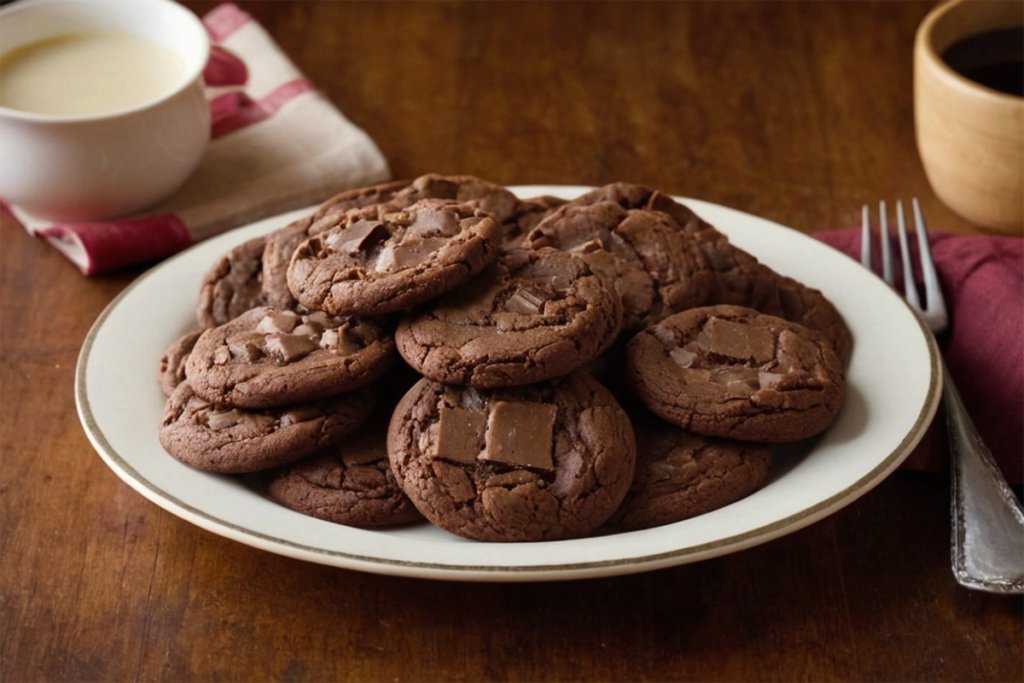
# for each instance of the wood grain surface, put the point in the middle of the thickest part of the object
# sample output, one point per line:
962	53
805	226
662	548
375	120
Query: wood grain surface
795	111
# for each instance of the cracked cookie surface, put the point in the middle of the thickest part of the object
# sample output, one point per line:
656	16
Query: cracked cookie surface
733	372
234	441
547	461
377	261
233	285
349	483
680	475
530	316
657	269
268	357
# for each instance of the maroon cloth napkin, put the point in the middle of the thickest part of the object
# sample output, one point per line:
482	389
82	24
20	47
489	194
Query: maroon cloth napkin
983	280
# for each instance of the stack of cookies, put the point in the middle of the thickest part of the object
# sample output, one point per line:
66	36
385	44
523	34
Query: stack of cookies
609	362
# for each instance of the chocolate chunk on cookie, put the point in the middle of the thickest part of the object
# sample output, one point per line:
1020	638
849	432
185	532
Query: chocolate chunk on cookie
680	475
233	441
530	316
233	285
546	461
269	357
735	373
657	268
376	261
349	483
171	371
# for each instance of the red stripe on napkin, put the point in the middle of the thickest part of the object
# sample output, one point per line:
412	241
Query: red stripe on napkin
224	20
96	247
236	110
224	68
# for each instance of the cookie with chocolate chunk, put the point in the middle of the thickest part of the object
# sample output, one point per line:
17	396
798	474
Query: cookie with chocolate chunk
657	268
732	372
233	440
349	483
680	475
171	371
541	462
270	357
530	316
376	261
233	285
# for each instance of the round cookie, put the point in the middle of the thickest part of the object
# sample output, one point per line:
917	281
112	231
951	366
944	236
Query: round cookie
233	284
235	441
633	196
680	475
809	307
530	316
268	357
376	262
656	268
171	371
277	255
739	278
461	189
732	372
541	462
529	213
349	483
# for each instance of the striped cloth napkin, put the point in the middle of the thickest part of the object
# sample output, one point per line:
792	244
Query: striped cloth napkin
277	145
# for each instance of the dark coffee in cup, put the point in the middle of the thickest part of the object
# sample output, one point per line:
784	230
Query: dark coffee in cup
994	59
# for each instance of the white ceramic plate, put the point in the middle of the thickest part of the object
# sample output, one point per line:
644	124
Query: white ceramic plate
893	390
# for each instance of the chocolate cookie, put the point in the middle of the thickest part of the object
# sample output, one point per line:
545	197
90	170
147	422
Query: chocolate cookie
268	357
541	462
376	262
732	372
349	483
657	268
461	189
277	255
233	284
739	278
528	214
530	316
680	475
633	196
233	441
809	307
171	371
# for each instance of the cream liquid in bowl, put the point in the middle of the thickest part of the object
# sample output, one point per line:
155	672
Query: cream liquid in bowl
84	74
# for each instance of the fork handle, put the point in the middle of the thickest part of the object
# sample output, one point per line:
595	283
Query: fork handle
988	520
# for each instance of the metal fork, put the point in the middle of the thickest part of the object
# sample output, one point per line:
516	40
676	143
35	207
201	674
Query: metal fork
988	520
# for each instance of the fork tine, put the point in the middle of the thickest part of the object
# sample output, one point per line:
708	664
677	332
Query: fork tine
883	233
909	287
865	237
935	303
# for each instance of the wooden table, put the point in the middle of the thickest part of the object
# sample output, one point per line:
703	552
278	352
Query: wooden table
795	111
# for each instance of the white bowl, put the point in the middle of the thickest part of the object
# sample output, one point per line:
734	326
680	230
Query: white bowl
90	167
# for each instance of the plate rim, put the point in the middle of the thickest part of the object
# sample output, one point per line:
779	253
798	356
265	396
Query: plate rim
533	572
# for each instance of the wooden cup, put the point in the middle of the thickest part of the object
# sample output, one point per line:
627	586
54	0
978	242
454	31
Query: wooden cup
970	137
